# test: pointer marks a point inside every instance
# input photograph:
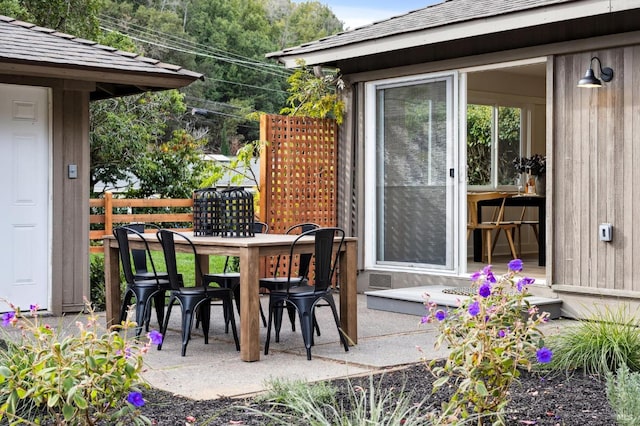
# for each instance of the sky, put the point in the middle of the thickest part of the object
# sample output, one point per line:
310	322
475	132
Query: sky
356	13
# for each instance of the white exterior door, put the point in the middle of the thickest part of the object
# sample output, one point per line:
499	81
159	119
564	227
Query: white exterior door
24	196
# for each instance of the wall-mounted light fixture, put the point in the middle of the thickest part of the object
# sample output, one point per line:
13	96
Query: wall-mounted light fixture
590	80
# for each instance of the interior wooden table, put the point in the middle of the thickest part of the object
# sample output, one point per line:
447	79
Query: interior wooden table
249	250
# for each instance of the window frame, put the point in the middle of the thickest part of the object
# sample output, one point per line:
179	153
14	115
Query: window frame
496	101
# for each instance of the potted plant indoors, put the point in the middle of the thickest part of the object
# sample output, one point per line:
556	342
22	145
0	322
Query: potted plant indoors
535	167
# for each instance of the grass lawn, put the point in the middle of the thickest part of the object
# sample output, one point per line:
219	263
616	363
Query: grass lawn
186	264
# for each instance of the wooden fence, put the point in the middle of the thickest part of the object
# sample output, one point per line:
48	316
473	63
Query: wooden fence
108	218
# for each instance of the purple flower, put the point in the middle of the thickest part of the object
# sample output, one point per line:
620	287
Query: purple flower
474	309
515	265
522	282
502	333
476	276
424	320
155	336
544	355
7	317
441	315
135	399
485	290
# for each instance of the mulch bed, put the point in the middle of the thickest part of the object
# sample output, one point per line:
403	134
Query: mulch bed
558	400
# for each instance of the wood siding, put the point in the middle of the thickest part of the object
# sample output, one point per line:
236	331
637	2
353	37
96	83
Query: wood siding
595	158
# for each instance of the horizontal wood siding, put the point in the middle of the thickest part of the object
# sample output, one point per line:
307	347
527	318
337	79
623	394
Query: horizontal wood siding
596	155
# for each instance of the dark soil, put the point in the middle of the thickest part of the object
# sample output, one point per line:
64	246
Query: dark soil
535	400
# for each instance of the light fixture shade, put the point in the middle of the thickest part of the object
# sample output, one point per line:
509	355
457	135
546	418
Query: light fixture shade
589	80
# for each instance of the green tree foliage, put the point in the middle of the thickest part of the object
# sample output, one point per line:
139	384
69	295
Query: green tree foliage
124	131
479	144
314	95
172	169
76	17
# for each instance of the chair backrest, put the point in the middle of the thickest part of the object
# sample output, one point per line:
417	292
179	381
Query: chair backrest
140	256
258	228
327	246
167	241
473	198
122	236
305	258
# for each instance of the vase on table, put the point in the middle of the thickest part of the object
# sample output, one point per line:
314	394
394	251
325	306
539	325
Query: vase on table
541	185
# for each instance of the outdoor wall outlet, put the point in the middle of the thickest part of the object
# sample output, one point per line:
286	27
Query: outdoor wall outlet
605	232
73	171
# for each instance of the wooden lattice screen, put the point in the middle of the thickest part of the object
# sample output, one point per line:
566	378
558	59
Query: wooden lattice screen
298	174
298	171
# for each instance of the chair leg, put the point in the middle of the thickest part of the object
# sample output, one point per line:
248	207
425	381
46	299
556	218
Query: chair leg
165	325
509	234
124	309
306	327
487	238
343	338
158	302
264	319
269	323
232	320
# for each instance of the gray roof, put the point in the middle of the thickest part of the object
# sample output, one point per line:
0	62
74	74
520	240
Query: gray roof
28	44
438	15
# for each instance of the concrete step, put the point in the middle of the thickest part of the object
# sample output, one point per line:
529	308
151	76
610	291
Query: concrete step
411	300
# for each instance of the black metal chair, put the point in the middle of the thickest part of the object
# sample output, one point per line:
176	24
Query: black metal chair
192	298
277	282
231	279
305	298
144	290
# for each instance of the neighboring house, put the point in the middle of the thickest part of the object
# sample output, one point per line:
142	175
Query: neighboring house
47	80
412	79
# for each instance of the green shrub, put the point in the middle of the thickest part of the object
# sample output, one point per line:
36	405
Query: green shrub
623	393
96	283
608	340
70	377
491	335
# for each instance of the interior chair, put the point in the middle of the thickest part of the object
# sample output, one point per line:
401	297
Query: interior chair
525	222
497	222
144	290
192	299
231	279
277	282
327	245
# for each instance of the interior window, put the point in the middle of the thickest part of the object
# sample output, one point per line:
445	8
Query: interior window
494	140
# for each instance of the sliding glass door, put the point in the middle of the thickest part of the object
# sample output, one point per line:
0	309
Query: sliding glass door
410	172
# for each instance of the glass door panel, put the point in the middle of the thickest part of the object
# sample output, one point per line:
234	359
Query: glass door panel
414	189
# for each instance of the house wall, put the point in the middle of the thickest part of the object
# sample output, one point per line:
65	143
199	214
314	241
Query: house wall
595	168
591	144
70	197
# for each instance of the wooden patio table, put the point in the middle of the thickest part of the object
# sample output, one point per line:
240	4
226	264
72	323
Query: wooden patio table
249	250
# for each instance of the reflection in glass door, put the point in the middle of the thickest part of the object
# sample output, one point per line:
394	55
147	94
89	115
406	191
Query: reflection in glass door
413	173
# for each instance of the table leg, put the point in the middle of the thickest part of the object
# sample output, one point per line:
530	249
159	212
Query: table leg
542	233
111	283
349	293
249	304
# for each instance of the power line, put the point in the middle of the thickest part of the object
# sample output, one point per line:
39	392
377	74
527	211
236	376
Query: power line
187	46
